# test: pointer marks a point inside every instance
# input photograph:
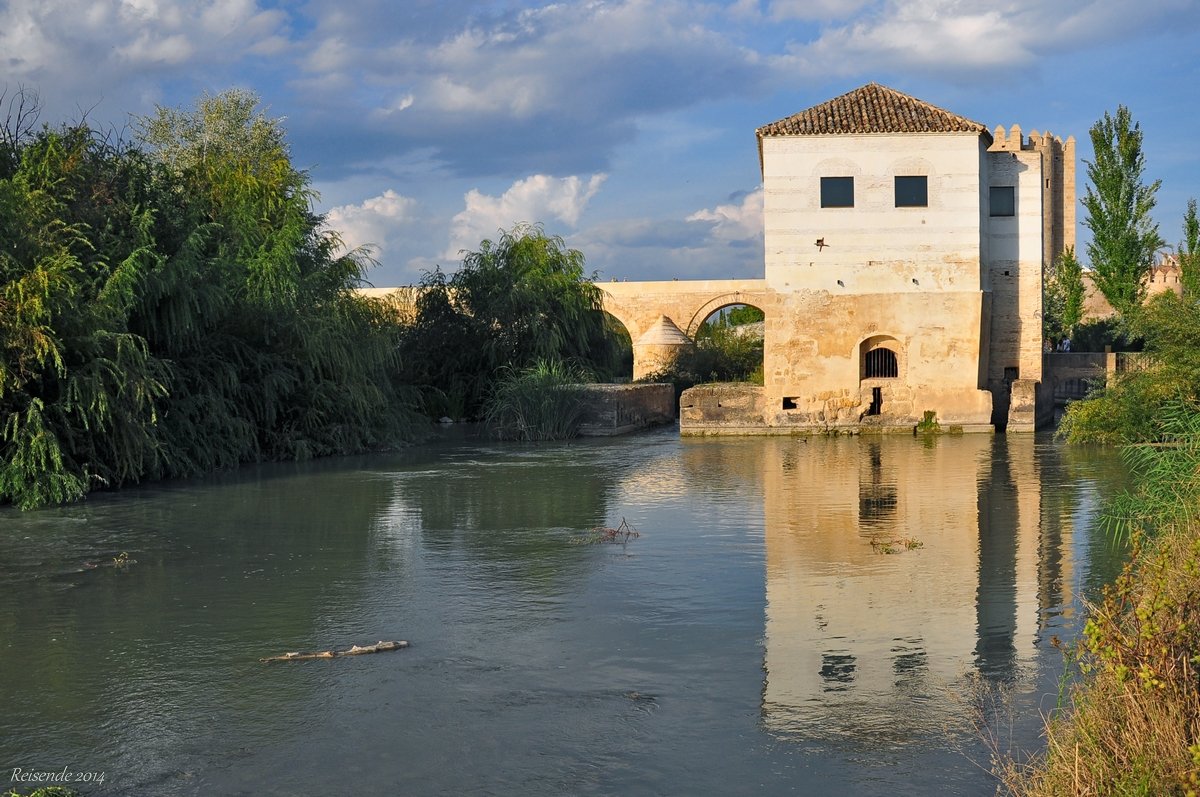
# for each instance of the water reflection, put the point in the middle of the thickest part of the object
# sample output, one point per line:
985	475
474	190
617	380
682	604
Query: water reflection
865	638
539	665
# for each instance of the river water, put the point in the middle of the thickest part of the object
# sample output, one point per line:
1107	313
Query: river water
756	638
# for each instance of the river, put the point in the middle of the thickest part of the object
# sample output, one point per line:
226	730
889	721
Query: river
815	616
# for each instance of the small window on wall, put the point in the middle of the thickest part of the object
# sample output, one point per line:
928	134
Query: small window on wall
837	192
912	192
882	364
1002	200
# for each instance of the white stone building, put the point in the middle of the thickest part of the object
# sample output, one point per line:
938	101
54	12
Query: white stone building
905	247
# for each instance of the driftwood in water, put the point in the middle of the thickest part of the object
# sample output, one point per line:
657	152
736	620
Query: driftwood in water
355	650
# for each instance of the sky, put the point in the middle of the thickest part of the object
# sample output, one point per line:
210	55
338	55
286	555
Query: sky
624	126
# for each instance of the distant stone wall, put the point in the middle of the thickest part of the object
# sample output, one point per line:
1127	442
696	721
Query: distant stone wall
620	409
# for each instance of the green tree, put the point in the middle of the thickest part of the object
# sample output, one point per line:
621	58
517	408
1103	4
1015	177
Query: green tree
1063	301
517	301
1188	251
1117	210
174	306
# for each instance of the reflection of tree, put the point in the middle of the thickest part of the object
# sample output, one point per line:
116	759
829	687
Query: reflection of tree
224	573
520	509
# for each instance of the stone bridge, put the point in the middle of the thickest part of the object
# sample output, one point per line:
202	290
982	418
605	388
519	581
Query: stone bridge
661	316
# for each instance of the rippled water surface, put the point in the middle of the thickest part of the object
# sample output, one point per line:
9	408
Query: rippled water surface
757	638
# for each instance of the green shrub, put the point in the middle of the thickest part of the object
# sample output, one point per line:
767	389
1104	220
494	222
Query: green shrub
540	403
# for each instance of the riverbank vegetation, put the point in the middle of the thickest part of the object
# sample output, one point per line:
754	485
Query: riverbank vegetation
542	402
171	305
1133	725
520	302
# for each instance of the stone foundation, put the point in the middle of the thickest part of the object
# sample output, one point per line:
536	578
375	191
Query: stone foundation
620	409
744	409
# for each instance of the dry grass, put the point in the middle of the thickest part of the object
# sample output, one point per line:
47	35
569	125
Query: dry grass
1133	727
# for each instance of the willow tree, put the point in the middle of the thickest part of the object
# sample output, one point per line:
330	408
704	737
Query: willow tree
522	299
1117	210
293	362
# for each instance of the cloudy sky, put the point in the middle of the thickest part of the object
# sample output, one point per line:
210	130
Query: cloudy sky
626	126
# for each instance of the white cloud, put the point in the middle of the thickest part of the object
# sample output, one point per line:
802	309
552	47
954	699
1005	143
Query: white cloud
539	198
815	9
970	35
550	89
373	223
734	222
78	52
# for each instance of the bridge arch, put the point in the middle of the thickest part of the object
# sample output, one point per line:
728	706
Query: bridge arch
716	304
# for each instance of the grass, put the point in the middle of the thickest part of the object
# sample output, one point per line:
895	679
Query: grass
537	404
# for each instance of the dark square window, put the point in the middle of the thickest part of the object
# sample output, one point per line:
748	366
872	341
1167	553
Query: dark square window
1002	200
912	192
837	192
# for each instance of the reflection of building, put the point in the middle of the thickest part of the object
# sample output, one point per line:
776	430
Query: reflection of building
865	645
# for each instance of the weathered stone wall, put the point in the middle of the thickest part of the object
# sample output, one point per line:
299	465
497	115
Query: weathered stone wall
726	408
814	359
618	409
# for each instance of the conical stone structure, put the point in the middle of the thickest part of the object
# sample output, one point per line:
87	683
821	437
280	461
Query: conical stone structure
658	348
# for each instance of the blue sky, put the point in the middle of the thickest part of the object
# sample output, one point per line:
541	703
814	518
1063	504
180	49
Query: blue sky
626	126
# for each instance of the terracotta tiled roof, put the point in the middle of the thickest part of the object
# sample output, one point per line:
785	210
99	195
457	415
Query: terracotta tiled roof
872	109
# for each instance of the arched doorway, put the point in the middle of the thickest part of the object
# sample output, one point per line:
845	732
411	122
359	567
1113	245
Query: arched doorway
880	366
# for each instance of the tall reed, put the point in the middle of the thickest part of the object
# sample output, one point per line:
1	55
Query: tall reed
543	402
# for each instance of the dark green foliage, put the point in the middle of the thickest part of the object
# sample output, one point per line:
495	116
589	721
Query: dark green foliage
539	403
1117	210
1099	333
519	300
1063	306
176	307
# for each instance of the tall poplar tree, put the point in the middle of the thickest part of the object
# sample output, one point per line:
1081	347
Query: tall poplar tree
1117	210
1189	251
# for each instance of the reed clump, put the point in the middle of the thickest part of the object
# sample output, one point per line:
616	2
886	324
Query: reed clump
539	403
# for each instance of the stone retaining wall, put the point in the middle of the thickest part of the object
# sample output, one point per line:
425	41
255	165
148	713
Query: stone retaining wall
620	409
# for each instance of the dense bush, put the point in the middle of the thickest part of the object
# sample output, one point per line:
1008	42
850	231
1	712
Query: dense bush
520	300
543	402
1127	409
173	305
